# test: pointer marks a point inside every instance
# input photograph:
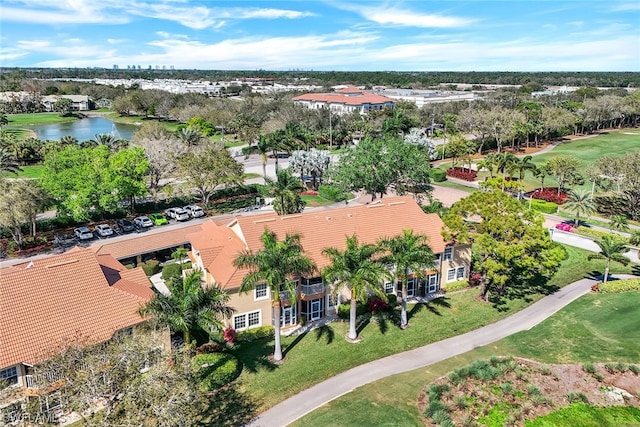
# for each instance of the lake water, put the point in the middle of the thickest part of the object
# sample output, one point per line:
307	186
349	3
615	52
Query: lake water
83	129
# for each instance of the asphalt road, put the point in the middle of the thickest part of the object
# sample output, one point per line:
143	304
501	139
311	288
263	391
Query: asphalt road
312	398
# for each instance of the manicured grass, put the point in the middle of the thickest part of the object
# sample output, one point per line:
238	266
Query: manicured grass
324	352
18	133
315	201
34	171
228	144
579	414
455	185
251	175
599	327
37	119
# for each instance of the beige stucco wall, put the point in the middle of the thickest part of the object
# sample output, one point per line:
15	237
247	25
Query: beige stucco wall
461	258
245	303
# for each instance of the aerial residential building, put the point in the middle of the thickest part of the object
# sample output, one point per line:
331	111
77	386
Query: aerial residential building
345	101
217	244
60	300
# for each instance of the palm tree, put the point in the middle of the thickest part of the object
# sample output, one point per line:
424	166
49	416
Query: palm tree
356	269
580	203
113	142
277	264
189	306
523	164
635	238
4	120
180	255
68	140
504	162
190	137
410	254
285	189
619	222
611	249
8	163
264	146
489	163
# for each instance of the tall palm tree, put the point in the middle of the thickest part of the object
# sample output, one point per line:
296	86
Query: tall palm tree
277	264
523	164
113	142
619	222
580	203
190	137
189	306
611	249
410	254
179	255
8	163
358	269
504	162
263	146
489	163
286	191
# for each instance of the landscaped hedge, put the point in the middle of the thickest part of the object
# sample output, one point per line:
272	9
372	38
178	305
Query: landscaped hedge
215	370
255	333
462	173
171	270
550	194
344	310
598	234
543	206
456	286
332	193
150	267
437	175
619	286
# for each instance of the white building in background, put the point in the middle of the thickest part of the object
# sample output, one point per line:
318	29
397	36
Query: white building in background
424	97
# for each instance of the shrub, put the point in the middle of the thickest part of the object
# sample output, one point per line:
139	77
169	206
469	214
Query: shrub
475	279
344	310
210	347
550	194
460	401
437	175
433	407
589	368
577	397
151	267
610	367
392	299
255	333
376	305
610	204
635	369
230	335
621	367
215	370
543	206
619	286
462	173
456	286
309	193
171	270
332	193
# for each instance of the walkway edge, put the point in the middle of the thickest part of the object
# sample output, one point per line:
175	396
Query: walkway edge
314	397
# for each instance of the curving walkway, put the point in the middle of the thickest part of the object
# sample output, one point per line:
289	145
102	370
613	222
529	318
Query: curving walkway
312	398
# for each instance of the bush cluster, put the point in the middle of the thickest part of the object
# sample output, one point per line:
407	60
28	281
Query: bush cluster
550	194
150	267
543	206
619	286
456	286
171	270
215	370
332	193
255	333
462	173
437	175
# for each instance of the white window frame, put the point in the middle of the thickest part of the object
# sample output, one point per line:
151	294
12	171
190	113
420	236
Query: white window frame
447	254
245	319
254	319
460	273
451	274
10	372
389	288
260	288
433	282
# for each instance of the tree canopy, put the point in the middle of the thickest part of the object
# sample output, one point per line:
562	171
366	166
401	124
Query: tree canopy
512	251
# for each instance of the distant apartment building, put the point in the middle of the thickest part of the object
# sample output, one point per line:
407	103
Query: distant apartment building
79	102
426	97
346	100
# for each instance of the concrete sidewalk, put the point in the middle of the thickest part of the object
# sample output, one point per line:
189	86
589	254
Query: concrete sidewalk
308	400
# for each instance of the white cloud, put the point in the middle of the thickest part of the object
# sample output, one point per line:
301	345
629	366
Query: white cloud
272	14
626	7
61	12
393	16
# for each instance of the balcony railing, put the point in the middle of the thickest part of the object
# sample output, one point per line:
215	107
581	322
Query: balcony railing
41	380
312	289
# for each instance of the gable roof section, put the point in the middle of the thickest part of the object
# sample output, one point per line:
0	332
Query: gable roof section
348	96
50	301
147	242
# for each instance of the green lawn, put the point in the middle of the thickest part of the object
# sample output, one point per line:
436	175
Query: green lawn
596	327
579	414
37	119
251	175
18	133
34	171
315	201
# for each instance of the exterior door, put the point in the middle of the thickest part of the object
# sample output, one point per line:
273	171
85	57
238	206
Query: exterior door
433	283
315	309
288	316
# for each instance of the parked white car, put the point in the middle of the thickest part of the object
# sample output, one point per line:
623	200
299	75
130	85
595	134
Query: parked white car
194	210
104	230
83	233
143	222
180	214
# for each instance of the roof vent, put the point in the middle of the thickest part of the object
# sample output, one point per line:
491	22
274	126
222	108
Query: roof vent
30	264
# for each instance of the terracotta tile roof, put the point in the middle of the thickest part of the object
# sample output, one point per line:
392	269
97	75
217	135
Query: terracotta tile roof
133	281
48	301
147	242
348	96
217	246
318	230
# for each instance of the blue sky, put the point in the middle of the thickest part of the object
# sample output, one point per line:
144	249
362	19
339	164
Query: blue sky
323	35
